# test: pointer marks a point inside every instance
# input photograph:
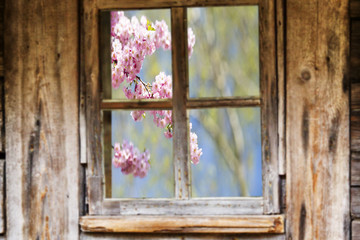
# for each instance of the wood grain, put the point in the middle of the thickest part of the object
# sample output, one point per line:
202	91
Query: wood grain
174	236
41	104
106	92
112	104
280	61
201	224
317	119
355	169
140	4
2	196
354	8
2	3
355	202
180	95
355	230
269	113
91	84
207	206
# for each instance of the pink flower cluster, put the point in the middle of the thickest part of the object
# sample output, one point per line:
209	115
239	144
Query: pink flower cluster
195	151
133	40
131	160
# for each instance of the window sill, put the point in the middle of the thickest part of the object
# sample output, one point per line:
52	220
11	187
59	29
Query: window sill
184	224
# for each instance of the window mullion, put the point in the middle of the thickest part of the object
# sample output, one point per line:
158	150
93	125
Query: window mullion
180	96
105	71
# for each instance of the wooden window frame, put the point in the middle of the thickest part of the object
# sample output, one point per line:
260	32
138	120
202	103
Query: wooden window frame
181	214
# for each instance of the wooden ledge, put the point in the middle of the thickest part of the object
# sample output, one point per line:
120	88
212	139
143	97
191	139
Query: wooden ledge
184	224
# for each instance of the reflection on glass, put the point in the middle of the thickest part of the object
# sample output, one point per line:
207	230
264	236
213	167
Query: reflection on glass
140	51
225	61
131	178
230	165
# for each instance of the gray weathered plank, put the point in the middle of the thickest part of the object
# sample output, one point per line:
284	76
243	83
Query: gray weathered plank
280	50
355	230
2	115
355	169
41	103
91	83
317	120
269	114
167	236
106	90
249	206
2	196
180	95
355	202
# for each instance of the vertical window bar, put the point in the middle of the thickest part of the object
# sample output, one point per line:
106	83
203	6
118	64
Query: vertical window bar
105	65
180	95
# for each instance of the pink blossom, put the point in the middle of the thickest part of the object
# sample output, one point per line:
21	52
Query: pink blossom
131	160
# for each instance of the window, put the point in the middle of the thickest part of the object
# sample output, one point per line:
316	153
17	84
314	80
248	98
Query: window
180	210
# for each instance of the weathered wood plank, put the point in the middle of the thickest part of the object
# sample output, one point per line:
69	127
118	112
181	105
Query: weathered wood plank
106	90
280	50
193	103
355	230
108	104
2	2
355	202
41	103
196	103
269	113
355	169
355	51
193	224
180	95
317	119
243	206
124	4
2	196
354	8
91	81
168	236
2	116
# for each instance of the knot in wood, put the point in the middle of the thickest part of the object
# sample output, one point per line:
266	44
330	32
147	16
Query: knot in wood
305	75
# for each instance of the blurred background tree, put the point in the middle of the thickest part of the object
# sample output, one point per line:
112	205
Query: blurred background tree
225	62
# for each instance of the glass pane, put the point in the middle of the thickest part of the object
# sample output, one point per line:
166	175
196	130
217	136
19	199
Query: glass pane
225	59
230	165
140	50
132	176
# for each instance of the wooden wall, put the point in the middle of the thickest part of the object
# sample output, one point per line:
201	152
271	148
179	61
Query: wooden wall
355	115
43	174
41	105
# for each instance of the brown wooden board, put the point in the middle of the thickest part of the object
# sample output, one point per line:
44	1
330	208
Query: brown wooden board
269	113
2	3
354	8
124	4
41	103
355	230
317	119
355	169
182	224
90	83
2	196
167	236
355	202
180	95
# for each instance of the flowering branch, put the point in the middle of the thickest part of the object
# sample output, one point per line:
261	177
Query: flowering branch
132	41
